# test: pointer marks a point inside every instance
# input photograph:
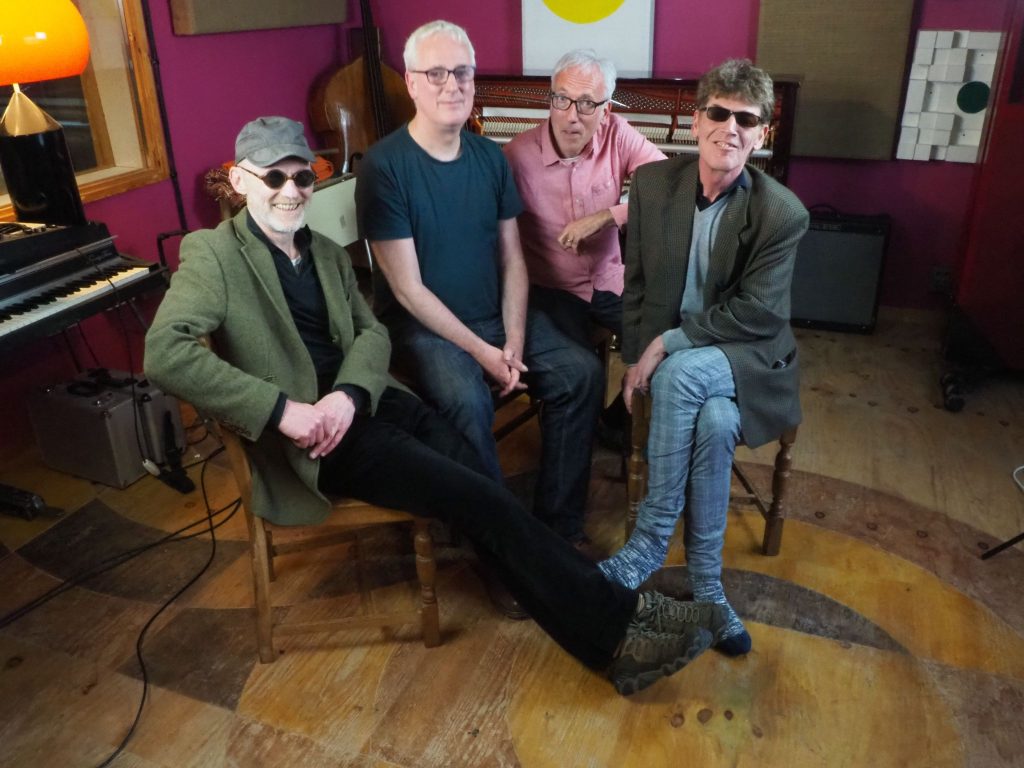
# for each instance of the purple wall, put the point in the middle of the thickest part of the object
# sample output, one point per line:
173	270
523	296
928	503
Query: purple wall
689	37
212	84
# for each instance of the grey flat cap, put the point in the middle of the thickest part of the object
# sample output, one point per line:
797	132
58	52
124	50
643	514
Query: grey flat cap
266	140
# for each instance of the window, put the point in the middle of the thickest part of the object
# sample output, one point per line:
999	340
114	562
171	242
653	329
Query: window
110	114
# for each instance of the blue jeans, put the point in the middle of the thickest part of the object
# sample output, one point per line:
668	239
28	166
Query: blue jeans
573	316
566	377
576	318
695	426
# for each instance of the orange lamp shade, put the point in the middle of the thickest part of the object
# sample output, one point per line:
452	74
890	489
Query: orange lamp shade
41	40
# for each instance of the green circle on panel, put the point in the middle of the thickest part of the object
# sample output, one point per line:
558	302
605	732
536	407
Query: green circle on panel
972	97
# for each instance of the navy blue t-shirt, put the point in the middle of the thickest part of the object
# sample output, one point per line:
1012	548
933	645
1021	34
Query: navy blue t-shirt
450	210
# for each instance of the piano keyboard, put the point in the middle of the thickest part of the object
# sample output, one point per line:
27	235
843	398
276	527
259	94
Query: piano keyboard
501	126
507	128
656	134
661	109
61	297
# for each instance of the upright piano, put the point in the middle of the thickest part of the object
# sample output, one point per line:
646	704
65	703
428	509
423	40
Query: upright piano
52	276
661	109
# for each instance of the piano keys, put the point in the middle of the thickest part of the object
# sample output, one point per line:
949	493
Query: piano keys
52	277
660	109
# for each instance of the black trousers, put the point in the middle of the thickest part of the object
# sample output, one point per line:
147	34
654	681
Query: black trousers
407	457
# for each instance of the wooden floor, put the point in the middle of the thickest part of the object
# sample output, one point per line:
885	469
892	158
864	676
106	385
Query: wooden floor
880	637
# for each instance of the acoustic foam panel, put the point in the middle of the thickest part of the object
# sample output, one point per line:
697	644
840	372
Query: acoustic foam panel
948	94
850	58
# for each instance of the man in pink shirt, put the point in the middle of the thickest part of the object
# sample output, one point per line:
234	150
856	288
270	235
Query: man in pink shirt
569	171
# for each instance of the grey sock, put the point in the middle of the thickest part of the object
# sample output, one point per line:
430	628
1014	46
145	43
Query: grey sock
641	556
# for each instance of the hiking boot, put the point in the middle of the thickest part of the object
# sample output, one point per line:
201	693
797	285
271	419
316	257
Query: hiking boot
665	614
648	656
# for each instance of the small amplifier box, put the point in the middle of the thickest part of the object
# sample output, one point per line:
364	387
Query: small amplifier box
102	424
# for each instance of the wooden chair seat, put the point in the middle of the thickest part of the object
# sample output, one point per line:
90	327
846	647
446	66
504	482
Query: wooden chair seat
346	517
772	509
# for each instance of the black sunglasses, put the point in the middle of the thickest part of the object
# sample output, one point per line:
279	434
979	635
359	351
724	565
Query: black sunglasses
721	114
276	179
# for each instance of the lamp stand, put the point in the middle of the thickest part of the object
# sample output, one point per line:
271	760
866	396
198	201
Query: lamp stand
37	165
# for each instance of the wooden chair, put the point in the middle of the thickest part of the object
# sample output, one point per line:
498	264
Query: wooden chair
772	509
347	516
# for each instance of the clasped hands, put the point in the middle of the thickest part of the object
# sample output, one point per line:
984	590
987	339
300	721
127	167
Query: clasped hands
504	366
319	426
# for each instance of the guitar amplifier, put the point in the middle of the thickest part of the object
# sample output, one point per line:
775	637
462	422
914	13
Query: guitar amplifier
102	424
838	271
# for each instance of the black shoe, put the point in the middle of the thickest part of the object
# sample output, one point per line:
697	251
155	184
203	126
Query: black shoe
615	415
589	549
614	439
501	598
648	656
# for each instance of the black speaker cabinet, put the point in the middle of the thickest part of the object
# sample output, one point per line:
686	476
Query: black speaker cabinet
838	271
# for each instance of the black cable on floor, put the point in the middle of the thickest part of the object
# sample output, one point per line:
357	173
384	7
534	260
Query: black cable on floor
145	629
105	566
108	564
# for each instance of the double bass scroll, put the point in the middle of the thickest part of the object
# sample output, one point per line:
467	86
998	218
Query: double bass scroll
361	102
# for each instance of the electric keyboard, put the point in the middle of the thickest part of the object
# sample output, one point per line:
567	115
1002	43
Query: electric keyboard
52	290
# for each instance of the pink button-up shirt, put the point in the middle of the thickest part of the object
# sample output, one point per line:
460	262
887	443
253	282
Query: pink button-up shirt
556	192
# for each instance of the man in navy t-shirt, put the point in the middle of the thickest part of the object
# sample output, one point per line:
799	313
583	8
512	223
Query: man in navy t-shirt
438	205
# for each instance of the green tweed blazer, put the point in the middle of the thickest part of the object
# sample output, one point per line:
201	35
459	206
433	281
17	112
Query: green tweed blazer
747	292
227	288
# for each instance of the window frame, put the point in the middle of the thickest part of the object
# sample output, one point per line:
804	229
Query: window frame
99	183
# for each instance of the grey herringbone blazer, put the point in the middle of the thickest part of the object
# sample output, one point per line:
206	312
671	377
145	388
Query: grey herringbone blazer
747	288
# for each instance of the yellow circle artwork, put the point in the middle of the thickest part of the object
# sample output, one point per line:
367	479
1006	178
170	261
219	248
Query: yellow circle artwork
583	11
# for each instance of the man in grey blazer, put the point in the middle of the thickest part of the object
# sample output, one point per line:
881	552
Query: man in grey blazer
302	374
709	261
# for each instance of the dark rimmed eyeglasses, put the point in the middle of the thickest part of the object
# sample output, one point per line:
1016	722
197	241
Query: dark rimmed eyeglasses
276	179
439	75
583	106
721	114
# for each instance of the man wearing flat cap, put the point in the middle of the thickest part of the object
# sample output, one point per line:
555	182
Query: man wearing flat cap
301	374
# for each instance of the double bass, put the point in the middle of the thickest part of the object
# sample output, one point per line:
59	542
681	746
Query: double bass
360	103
